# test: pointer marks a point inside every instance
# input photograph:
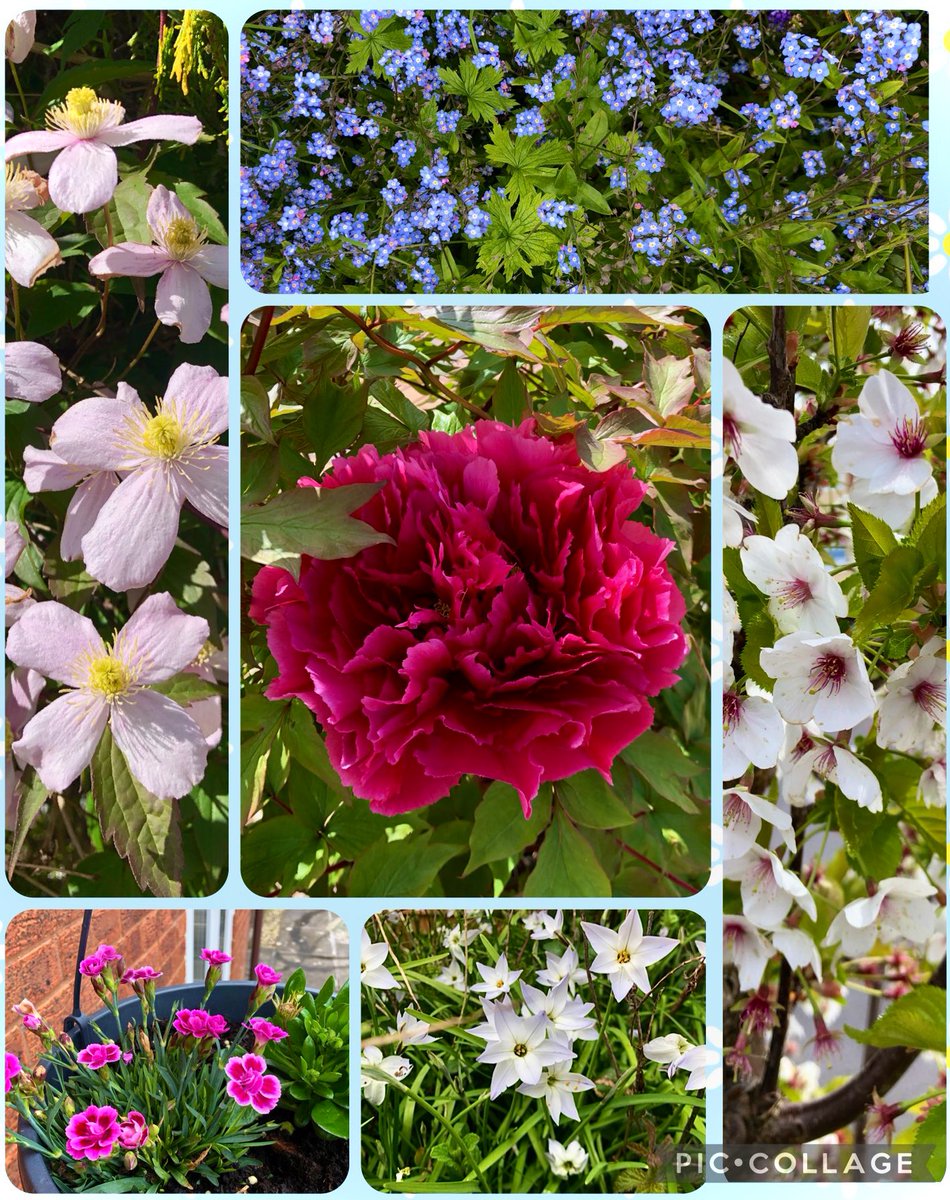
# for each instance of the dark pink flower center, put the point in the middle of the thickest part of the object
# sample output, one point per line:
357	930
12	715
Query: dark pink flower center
794	593
829	672
931	697
731	433
731	710
909	438
803	746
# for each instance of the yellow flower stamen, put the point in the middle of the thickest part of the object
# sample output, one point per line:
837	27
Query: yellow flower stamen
182	238
84	114
108	676
163	436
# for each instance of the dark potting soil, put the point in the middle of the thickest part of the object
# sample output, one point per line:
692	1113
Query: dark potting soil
302	1162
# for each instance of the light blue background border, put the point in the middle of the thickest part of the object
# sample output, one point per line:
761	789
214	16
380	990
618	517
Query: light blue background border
243	300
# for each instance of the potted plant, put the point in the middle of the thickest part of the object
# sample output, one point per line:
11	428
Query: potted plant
167	1089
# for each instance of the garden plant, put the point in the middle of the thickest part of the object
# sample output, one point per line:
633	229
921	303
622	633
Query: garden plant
178	1101
456	150
477	573
512	1052
834	753
116	476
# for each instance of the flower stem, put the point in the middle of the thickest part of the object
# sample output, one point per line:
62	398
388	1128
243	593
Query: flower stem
17	317
19	87
145	345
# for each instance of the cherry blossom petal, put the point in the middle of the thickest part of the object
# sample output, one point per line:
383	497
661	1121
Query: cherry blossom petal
38	141
45	471
211	263
167	127
29	250
198	397
182	299
135	531
54	640
857	781
61	739
204	480
83	177
160	639
83	511
92	433
131	260
164	748
32	370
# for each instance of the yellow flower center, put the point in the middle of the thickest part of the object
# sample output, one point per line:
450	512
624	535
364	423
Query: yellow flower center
623	956
163	436
20	189
182	237
108	676
84	114
946	243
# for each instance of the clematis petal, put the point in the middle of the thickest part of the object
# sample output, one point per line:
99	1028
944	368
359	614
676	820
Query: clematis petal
37	141
164	748
93	433
182	299
135	531
20	36
211	263
168	127
24	688
55	641
164	206
160	639
83	177
45	471
198	397
61	739
129	259
14	545
83	511
204	480
33	371
29	250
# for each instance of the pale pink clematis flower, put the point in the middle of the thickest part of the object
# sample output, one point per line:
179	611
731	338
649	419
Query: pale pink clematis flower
28	249
87	129
20	35
45	471
32	372
16	599
183	259
166	458
164	748
23	690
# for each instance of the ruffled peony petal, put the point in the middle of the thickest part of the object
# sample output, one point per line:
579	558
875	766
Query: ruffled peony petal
83	177
54	640
182	299
164	748
204	480
61	739
83	511
131	260
29	250
159	639
161	128
33	372
135	531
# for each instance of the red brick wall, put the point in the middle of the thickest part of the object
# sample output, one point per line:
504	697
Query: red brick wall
41	950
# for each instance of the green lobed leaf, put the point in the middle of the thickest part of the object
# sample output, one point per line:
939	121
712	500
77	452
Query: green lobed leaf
399	868
932	1131
255	409
308	520
566	864
143	828
916	1020
929	534
33	795
332	419
670	380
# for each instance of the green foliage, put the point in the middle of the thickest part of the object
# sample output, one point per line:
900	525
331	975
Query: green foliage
312	1062
628	384
916	1019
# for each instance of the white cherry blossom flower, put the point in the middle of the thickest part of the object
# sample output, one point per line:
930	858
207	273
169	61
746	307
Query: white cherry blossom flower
914	700
798	949
900	908
802	594
734	517
752	731
557	1087
820	679
760	438
814	756
625	955
768	888
394	1065
568	1160
746	949
731	624
372	972
742	817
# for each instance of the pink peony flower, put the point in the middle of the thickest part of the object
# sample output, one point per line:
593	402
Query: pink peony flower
133	1131
180	255
249	1085
29	250
266	976
264	1031
216	958
198	1023
86	130
99	1055
515	629
166	458
11	1068
163	746
33	372
93	1132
